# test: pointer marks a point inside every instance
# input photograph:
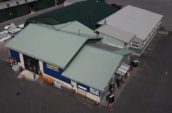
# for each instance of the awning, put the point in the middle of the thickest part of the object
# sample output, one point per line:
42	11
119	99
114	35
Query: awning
123	69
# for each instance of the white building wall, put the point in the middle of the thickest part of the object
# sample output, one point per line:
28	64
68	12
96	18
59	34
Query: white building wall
88	95
78	90
41	67
74	85
152	34
81	92
21	61
93	97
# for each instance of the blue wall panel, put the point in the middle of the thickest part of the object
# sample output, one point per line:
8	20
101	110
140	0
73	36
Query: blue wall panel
86	87
15	55
55	73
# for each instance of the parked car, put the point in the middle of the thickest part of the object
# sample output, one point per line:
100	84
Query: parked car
117	6
13	29
4	35
10	31
21	26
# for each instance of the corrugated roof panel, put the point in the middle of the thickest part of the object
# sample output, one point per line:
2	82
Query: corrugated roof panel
117	33
47	45
112	41
123	51
61	26
73	27
135	20
93	67
86	12
78	28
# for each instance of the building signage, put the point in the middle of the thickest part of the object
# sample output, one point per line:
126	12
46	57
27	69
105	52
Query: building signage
53	67
81	87
94	91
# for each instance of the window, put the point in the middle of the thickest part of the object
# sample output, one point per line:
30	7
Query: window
135	44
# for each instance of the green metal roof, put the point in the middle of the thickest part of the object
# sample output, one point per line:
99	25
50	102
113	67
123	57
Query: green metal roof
73	27
77	28
112	41
93	67
86	12
48	45
124	51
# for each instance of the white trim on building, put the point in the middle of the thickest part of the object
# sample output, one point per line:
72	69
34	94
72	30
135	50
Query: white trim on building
142	23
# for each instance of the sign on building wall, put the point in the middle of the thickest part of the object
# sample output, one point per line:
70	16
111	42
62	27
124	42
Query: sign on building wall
88	89
55	72
81	87
53	67
94	91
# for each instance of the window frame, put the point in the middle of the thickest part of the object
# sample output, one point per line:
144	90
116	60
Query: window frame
135	43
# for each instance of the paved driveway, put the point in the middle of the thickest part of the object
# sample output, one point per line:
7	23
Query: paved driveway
21	96
3	52
150	91
163	7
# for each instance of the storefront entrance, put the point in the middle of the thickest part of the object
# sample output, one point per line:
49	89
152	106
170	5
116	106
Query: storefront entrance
31	64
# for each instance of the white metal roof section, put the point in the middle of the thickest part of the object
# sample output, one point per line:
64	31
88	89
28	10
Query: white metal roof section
48	45
93	66
135	20
116	33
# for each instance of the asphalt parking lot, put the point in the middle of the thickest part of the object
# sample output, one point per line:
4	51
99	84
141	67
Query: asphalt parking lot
22	96
150	90
3	52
